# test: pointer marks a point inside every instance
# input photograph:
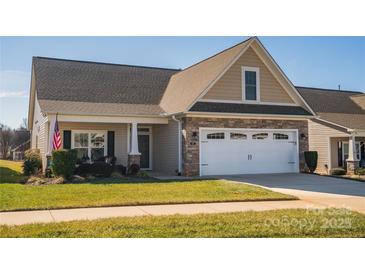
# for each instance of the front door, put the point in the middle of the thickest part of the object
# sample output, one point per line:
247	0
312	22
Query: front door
144	149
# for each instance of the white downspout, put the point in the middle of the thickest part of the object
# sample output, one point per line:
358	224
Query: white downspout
179	143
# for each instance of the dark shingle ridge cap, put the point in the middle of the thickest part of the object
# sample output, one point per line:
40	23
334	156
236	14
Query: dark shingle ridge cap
218	53
103	63
331	90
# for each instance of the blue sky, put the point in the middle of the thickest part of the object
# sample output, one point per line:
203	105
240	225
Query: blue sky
323	62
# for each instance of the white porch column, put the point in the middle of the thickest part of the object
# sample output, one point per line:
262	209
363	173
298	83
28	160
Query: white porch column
352	161
51	124
134	140
352	149
134	157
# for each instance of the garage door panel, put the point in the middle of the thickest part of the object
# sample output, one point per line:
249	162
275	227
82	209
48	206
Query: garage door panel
241	154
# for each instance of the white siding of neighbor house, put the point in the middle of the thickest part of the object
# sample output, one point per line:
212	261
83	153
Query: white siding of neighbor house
40	130
319	140
120	136
165	148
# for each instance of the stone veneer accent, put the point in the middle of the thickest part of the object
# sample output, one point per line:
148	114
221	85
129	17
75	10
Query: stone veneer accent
191	125
134	159
352	166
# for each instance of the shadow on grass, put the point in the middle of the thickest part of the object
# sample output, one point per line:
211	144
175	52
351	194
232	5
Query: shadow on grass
8	175
135	180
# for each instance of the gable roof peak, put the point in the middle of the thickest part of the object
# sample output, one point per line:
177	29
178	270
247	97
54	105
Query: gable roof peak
218	53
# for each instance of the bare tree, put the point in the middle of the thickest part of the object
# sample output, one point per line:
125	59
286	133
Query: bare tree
24	124
6	138
21	135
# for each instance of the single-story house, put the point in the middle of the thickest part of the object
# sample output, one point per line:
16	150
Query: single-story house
233	113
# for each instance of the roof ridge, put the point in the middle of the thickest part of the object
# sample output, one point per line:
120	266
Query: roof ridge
218	53
332	90
102	63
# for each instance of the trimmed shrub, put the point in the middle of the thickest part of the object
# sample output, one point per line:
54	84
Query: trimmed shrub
337	171
133	169
101	169
360	171
311	159
32	162
64	162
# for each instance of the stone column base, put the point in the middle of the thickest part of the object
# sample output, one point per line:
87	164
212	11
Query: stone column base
352	166
134	159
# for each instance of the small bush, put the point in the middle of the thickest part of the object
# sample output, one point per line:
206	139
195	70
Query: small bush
101	169
133	169
121	169
311	159
64	162
337	171
360	171
32	162
142	174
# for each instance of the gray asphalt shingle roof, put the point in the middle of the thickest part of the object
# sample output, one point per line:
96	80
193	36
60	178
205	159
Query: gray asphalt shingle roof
80	81
340	107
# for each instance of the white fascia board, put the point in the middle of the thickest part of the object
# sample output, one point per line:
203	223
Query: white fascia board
331	123
108	119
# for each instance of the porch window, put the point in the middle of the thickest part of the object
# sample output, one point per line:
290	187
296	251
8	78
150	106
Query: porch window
345	151
89	145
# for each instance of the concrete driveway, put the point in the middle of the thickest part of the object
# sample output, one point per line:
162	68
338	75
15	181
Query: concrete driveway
319	190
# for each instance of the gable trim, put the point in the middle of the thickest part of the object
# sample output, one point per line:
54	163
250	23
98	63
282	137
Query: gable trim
282	74
205	91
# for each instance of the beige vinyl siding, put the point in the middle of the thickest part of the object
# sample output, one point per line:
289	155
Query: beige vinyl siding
319	138
165	148
120	137
229	87
39	131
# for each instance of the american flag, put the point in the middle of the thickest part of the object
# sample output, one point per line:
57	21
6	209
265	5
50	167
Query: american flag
56	136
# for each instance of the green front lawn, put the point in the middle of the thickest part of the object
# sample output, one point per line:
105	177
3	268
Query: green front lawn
276	223
10	171
18	196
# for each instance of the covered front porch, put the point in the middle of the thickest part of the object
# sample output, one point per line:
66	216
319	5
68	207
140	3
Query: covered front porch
347	152
151	143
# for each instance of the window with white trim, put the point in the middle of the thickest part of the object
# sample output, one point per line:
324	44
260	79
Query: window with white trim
238	136
260	136
89	145
250	84
216	135
280	136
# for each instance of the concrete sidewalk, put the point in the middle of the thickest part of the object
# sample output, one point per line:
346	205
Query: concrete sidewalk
59	215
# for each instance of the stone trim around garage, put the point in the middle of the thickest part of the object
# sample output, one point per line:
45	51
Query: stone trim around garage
191	125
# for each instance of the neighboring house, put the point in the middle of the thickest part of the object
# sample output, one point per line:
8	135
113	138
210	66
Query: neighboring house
338	127
233	113
17	153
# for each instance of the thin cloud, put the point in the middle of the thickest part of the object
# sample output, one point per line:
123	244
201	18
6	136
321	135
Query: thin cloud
13	94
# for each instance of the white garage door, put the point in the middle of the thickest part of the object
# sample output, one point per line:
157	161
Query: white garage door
234	151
